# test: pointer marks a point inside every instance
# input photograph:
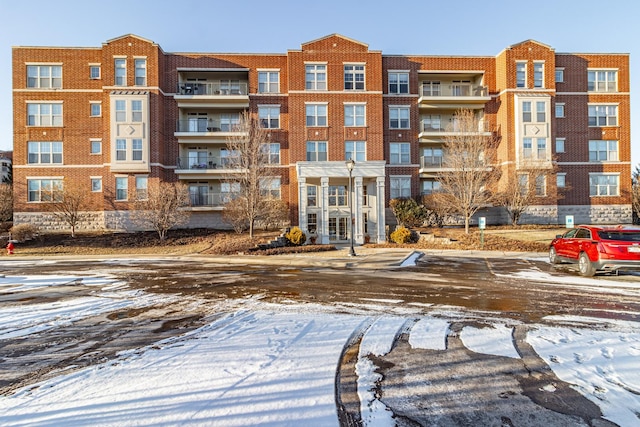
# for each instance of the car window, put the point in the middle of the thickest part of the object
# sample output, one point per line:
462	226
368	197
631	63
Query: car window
583	233
569	234
628	236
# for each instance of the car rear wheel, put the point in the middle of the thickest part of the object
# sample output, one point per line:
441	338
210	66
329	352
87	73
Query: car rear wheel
553	256
585	266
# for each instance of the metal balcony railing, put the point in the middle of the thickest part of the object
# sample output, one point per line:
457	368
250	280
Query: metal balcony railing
453	90
213	88
206	125
446	126
208	162
209	198
430	161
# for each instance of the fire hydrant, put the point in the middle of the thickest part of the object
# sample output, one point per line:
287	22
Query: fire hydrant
10	248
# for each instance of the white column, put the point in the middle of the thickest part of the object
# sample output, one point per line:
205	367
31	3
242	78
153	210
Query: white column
302	204
357	210
323	199
380	209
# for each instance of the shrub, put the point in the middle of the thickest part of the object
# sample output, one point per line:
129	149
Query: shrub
22	232
296	236
401	235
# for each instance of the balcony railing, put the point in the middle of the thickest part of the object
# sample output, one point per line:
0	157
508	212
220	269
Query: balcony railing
206	125
204	163
209	199
450	127
452	90
430	162
213	88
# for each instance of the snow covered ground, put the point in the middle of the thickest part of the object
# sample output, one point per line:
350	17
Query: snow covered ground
275	365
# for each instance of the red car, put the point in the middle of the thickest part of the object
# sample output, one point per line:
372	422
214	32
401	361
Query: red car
598	248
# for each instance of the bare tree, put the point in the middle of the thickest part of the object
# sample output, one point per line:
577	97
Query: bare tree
251	174
468	174
161	207
6	202
68	203
635	191
524	186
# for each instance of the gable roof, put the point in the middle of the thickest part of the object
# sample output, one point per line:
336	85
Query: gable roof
334	35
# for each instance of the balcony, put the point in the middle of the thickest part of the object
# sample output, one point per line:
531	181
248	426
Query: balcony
208	199
430	162
213	94
204	164
211	129
437	126
453	96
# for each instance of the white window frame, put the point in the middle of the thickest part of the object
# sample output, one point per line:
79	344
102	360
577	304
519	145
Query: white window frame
400	153
96	184
338	195
95	108
602	80
560	145
142	187
51	118
401	185
538	74
121	150
268	81
559	75
122	188
312	195
395	115
395	79
521	74
315	76
95	143
604	189
356	150
354	77
606	112
316	115
44	152
272	152
561	180
119	71
601	150
271	187
140	71
355	115
433	185
318	155
44	76
269	116
48	186
95	72
560	113
541	185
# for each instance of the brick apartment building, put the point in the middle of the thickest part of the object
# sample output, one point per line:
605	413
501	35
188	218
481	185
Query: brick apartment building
117	116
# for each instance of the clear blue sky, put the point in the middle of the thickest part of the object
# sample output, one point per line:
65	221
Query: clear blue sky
426	27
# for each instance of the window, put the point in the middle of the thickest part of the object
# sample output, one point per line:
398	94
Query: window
121	149
269	116
312	223
230	158
354	77
95	146
272	153
432	123
316	77
268	82
229	122
229	190
541	185
141	187
94	72
541	114
44	76
354	115
121	110
316	151
542	148
337	195
603	184
44	152
44	114
527	150
270	187
559	110
136	111
136	149
399	153
43	190
140	71
122	188
560	145
96	185
603	115
602	81
96	109
355	150
521	74
538	74
316	114
431	88
559	75
603	151
523	183
400	187
312	195
526	111
430	187
398	117
120	65
398	82
561	180
431	157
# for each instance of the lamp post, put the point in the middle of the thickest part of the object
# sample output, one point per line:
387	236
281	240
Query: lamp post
350	165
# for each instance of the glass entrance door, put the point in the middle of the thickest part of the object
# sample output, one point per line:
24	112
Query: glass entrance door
338	228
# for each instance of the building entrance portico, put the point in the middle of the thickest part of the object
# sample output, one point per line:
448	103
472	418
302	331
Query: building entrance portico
323	201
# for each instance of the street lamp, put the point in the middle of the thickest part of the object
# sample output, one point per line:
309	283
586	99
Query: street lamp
350	165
